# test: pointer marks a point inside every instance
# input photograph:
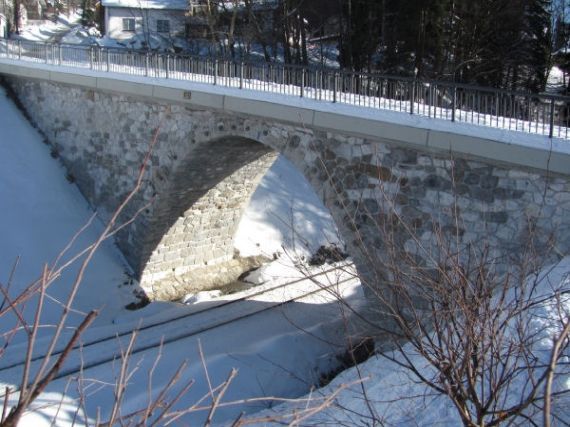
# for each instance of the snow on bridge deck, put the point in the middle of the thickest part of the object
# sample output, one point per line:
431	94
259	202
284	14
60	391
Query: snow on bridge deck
525	149
201	84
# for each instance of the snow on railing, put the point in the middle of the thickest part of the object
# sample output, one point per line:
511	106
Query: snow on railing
542	114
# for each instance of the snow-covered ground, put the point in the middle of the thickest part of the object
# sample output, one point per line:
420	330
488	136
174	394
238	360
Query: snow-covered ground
556	81
43	211
279	219
382	392
49	31
278	353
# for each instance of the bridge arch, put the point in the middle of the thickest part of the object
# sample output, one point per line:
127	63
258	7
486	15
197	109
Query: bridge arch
188	244
363	171
195	218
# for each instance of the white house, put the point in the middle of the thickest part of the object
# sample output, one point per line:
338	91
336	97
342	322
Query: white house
127	18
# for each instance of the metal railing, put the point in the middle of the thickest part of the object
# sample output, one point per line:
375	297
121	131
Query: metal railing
543	114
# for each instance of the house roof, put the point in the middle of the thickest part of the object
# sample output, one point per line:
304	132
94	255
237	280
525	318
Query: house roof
180	4
147	4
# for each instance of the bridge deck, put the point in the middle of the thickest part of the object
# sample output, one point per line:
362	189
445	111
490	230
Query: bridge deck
544	114
354	114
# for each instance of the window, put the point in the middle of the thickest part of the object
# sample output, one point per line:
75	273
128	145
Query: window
163	25
129	24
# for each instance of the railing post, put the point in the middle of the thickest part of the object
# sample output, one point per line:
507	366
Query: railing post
497	107
335	85
96	57
453	102
302	81
412	95
107	61
146	60
91	57
166	67
225	72
19	49
551	131
318	85
59	55
241	75
528	114
215	72
46	53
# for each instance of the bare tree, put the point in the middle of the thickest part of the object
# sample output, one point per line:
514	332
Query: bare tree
256	27
17	17
32	385
468	315
163	407
466	311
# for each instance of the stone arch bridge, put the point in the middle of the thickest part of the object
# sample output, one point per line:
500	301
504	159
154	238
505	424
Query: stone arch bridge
213	146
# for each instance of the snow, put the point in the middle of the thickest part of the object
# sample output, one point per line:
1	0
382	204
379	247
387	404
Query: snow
80	35
43	211
279	219
265	348
556	81
257	4
201	296
147	4
49	30
277	352
176	4
386	391
485	126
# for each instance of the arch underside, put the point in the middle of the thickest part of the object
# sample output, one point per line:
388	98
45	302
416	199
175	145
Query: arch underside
189	246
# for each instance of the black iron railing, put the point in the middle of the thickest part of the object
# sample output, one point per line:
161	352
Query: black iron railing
543	114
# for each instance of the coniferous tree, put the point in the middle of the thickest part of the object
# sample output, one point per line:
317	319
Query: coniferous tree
360	36
539	43
499	43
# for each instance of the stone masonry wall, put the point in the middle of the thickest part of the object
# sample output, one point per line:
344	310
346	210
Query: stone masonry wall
206	164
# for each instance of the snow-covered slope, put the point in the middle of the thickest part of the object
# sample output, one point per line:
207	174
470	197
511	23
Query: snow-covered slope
284	214
41	212
382	392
